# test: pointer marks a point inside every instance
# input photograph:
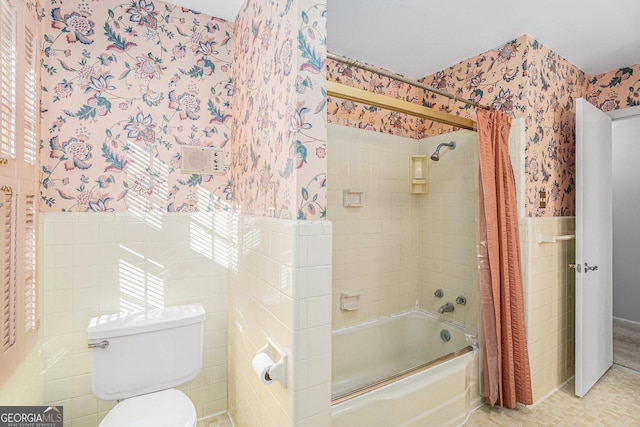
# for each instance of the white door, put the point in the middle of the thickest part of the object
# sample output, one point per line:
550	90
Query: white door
594	299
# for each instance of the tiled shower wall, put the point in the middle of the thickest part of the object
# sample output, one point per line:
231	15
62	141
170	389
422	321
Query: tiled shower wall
448	223
376	245
549	288
448	229
280	288
110	262
398	248
446	256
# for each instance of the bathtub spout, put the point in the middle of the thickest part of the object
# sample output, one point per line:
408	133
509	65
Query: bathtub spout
447	308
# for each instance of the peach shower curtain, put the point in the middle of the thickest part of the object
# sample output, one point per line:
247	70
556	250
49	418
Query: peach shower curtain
507	378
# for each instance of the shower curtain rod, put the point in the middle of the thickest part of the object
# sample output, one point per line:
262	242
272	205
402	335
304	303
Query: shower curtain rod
370	98
401	78
365	97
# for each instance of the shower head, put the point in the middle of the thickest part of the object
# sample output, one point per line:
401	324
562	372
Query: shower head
436	154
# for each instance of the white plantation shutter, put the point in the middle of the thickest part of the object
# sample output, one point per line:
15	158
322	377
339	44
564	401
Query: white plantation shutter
19	141
29	188
9	289
30	124
30	294
7	80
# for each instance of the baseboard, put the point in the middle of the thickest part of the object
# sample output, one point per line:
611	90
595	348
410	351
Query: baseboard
208	417
628	323
472	411
543	398
539	401
233	424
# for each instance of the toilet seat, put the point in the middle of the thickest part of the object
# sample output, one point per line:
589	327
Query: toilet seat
166	408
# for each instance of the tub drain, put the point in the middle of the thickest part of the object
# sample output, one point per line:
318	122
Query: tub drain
445	335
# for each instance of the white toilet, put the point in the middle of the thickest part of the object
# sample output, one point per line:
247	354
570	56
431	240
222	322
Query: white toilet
139	357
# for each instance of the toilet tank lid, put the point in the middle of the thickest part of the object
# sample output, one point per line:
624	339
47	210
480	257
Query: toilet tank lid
121	324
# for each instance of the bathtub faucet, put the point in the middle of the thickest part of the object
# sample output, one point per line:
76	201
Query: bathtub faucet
447	308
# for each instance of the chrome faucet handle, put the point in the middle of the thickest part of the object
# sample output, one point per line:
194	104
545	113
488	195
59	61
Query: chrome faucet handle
439	293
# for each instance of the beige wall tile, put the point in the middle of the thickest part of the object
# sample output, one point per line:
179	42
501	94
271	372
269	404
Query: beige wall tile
112	254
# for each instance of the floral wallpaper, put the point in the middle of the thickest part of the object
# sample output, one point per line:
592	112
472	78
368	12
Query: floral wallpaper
310	146
349	113
553	85
278	164
125	85
616	89
523	79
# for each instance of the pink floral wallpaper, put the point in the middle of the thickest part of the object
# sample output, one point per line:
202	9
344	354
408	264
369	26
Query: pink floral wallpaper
616	89
553	85
348	113
125	85
278	163
523	79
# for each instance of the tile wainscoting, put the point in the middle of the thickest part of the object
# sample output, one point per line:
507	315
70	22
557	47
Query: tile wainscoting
549	293
103	263
280	288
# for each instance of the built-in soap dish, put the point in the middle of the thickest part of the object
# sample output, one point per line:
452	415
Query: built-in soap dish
352	198
350	300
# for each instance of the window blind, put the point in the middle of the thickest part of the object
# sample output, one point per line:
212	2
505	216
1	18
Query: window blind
30	120
19	133
7	80
9	291
30	314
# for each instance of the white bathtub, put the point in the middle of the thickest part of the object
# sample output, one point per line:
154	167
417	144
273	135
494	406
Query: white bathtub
398	371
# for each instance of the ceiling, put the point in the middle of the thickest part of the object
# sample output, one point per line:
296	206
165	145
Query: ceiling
420	37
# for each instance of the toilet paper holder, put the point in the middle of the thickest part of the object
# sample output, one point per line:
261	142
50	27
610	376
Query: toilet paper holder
278	371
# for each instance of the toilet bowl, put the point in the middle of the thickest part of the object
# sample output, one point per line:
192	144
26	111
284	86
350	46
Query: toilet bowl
138	359
167	408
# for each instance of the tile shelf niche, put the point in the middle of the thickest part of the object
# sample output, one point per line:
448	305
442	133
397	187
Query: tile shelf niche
418	172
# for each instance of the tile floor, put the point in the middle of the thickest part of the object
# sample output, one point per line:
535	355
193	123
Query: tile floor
613	401
626	344
221	420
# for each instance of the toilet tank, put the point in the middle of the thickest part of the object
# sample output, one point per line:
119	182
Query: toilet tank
147	351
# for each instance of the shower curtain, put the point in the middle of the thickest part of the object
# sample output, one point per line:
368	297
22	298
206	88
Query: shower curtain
507	378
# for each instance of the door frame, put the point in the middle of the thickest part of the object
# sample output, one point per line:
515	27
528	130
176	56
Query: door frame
619	115
613	115
624	113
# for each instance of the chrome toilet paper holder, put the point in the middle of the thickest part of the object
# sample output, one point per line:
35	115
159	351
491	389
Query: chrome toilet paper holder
278	371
